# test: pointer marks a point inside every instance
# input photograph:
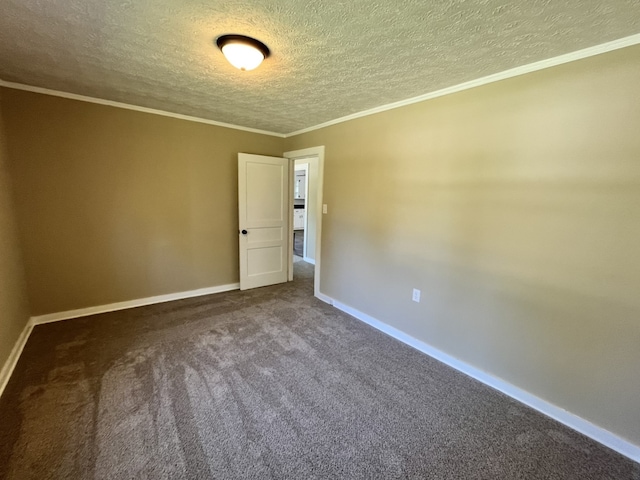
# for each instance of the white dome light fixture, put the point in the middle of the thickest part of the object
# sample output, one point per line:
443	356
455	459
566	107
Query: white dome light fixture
244	53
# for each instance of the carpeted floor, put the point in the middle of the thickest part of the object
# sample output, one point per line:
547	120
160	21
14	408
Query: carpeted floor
269	383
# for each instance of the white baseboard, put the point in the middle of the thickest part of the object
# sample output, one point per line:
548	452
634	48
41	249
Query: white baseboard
14	356
572	421
112	307
309	260
575	422
11	362
324	298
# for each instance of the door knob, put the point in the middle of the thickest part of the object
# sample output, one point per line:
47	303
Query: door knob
244	232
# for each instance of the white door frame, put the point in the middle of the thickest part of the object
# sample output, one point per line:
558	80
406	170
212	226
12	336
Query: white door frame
299	155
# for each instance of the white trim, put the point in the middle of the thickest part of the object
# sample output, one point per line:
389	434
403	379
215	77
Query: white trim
324	298
14	356
569	419
309	260
496	77
112	307
299	155
514	72
290	231
126	106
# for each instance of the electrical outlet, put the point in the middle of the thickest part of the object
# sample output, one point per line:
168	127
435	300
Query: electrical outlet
416	295
324	208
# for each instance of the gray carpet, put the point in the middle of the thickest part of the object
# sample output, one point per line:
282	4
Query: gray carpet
269	383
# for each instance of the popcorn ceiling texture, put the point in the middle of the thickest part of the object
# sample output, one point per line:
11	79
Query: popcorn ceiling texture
329	58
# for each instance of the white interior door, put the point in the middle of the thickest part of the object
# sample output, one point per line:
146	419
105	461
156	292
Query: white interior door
263	204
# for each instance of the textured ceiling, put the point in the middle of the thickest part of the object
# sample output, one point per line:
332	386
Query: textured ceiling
329	58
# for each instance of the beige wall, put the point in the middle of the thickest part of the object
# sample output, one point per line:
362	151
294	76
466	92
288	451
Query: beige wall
115	205
515	208
14	311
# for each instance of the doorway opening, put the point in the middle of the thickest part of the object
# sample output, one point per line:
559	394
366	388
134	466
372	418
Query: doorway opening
300	215
306	180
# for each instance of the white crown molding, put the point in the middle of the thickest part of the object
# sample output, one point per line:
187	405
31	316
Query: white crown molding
496	77
112	307
14	356
126	106
565	417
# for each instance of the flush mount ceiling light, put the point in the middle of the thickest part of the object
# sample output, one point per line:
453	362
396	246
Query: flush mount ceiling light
245	53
